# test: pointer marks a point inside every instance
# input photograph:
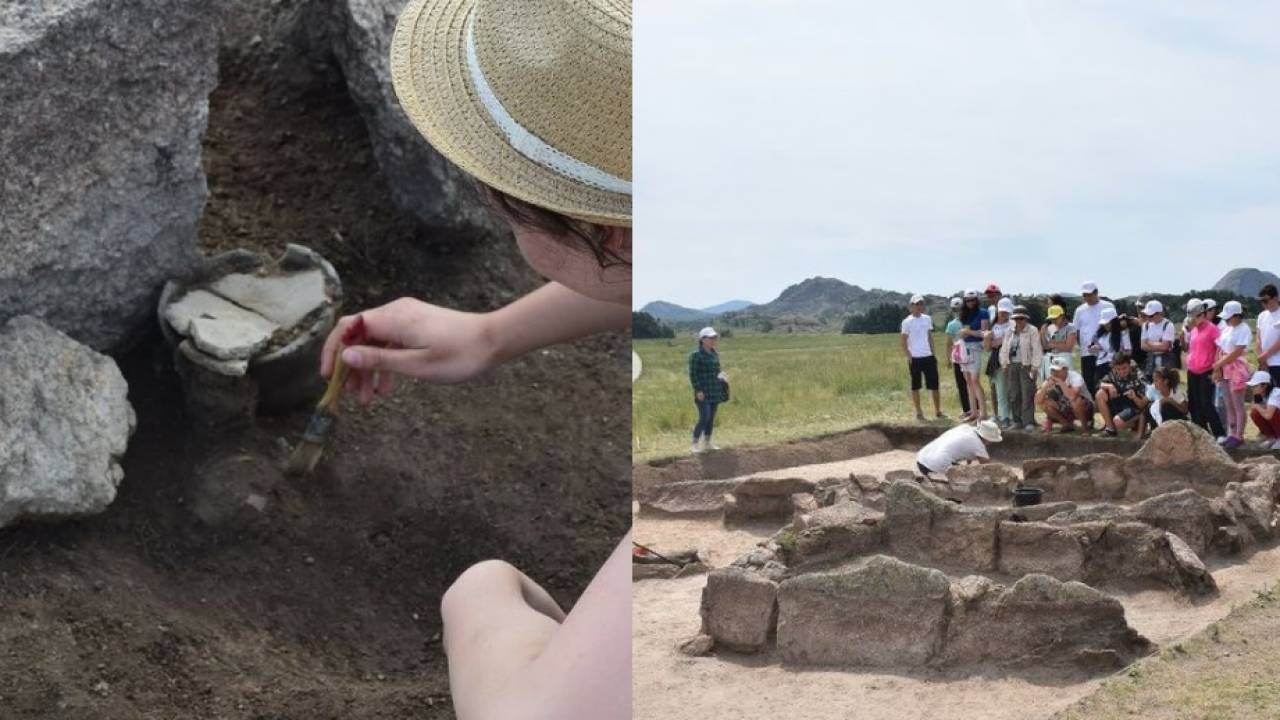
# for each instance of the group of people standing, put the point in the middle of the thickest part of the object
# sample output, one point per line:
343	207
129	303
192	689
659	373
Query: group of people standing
1129	366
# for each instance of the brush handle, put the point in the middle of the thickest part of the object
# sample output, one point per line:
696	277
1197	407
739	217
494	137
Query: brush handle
329	401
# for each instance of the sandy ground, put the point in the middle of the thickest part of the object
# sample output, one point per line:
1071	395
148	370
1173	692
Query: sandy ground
877	464
671	686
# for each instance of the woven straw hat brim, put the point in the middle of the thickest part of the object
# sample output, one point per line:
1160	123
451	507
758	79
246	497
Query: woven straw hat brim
428	68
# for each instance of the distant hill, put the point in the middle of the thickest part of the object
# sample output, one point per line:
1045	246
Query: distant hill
672	313
1246	281
818	304
730	306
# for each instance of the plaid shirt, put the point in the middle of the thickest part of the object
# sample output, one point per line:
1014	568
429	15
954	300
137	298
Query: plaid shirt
704	374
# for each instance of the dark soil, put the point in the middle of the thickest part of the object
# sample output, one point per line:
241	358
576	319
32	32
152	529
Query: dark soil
183	602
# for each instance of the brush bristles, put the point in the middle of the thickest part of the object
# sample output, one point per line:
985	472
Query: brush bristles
304	458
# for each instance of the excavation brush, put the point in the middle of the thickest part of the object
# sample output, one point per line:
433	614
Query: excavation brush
305	457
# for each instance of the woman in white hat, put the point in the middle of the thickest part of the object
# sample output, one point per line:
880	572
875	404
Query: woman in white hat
974	325
1158	335
533	100
708	391
1265	412
1231	370
994	341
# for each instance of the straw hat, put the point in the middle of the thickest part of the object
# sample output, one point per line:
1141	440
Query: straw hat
532	98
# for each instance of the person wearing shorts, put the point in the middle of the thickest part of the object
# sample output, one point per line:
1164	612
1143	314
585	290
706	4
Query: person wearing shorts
959	444
922	364
975	323
1064	398
1122	397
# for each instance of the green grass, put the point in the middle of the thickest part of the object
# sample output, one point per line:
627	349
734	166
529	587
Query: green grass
783	387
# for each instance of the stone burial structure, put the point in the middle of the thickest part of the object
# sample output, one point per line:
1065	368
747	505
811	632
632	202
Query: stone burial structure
247	333
886	573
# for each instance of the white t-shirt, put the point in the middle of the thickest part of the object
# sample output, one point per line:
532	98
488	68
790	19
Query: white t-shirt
1158	332
1157	408
1274	398
1106	354
1232	338
917	329
1269	334
1086	319
999	330
958	443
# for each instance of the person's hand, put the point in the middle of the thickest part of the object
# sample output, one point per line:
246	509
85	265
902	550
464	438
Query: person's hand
413	338
700	396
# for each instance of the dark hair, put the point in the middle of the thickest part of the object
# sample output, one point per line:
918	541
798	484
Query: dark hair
570	232
1170	376
1268	290
1057	300
967	311
1121	358
1115	334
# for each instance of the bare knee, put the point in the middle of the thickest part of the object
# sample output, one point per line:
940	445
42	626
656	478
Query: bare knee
484	579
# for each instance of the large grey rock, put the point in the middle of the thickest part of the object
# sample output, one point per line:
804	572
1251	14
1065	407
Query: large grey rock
922	527
1036	547
103	105
1185	513
881	613
763	498
422	181
1129	552
844	530
1179	455
1098	476
739	609
65	422
1039	622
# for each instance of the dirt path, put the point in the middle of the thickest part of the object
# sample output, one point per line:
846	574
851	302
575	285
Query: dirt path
671	686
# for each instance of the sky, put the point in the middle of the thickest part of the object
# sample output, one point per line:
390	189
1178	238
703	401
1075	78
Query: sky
929	146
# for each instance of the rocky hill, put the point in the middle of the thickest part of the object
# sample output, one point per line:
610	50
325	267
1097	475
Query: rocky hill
1246	281
673	313
819	304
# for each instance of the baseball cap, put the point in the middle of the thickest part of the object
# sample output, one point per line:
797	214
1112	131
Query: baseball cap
992	288
1060	363
1055	312
1210	303
1231	309
1005	305
1088	286
1195	306
917	299
1107	315
707	332
1153	307
970	294
1262	377
956	302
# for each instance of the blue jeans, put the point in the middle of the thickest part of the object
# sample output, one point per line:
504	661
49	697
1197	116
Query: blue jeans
706	419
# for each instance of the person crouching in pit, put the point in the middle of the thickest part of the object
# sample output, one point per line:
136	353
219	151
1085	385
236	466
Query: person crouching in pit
1122	398
1064	398
959	444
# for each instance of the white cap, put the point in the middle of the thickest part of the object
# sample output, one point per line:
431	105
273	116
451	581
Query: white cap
988	430
1231	309
1195	306
1107	315
1153	307
917	299
1210	303
1005	305
1088	287
970	294
1060	363
1262	377
956	302
707	332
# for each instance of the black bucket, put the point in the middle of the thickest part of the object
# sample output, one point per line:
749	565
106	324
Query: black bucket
1025	496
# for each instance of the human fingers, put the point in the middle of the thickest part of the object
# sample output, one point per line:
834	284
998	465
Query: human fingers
385	359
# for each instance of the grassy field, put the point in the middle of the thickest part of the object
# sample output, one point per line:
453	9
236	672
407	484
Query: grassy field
783	387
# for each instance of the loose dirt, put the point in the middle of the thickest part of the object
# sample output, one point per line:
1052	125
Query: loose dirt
671	686
182	602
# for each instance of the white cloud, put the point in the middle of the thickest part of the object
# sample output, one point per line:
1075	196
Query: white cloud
933	145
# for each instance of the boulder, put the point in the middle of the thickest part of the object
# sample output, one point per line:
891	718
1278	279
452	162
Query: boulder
1092	513
1098	476
762	498
983	481
65	423
773	487
739	609
1185	513
1036	547
881	613
920	526
1039	622
102	183
1252	506
1179	455
691	497
1125	552
846	530
422	181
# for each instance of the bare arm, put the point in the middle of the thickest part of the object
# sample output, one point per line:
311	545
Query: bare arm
549	315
